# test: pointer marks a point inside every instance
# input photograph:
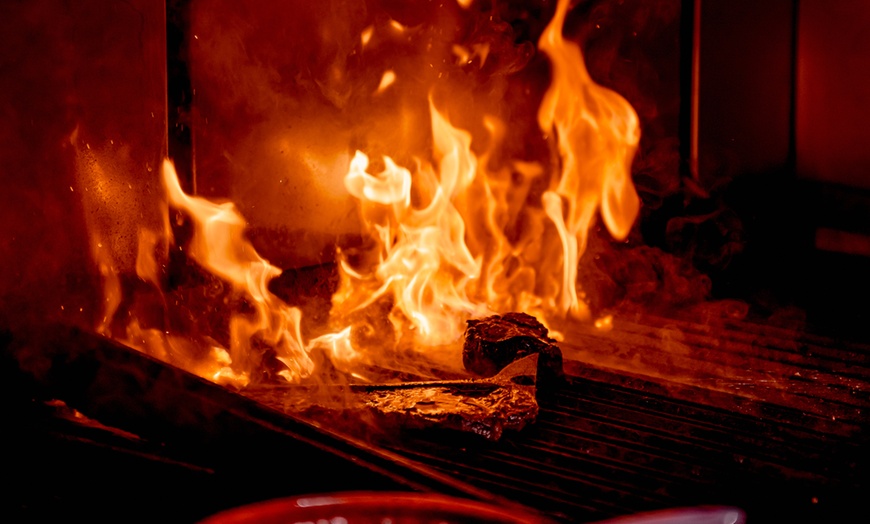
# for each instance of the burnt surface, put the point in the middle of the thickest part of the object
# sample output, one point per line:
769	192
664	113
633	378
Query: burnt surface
493	342
486	407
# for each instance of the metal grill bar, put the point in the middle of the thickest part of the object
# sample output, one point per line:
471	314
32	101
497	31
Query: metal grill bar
673	413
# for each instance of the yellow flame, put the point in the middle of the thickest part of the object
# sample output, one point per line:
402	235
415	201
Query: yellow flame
218	245
604	323
112	293
147	267
463	56
598	134
450	257
423	264
481	50
453	237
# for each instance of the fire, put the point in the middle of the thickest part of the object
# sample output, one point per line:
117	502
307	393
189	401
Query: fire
434	278
218	245
598	134
453	233
423	263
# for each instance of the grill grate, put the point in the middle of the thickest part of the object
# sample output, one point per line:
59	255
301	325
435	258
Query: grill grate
674	413
658	413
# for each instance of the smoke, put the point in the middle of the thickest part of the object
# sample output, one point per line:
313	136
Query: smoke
285	92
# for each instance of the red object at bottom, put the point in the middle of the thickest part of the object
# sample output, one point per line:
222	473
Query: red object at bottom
374	508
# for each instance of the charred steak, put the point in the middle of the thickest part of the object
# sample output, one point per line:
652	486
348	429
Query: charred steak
492	343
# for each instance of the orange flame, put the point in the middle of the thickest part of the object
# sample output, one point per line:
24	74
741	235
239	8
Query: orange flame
598	134
218	245
451	258
423	263
451	237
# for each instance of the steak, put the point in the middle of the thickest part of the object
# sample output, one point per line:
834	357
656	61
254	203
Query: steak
493	342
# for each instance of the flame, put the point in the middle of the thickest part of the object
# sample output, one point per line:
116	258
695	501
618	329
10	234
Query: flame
219	246
395	24
102	197
598	133
449	258
464	56
454	232
423	264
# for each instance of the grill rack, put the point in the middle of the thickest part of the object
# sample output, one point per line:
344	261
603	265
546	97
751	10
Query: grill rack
658	413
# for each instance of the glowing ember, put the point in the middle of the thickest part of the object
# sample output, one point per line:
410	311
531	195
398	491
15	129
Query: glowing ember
386	81
454	232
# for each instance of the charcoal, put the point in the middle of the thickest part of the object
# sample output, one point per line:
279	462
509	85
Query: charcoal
493	342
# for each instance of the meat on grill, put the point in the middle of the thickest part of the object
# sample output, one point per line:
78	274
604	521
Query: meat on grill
493	342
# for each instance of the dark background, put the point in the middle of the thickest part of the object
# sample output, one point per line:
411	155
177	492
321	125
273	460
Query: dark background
773	224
